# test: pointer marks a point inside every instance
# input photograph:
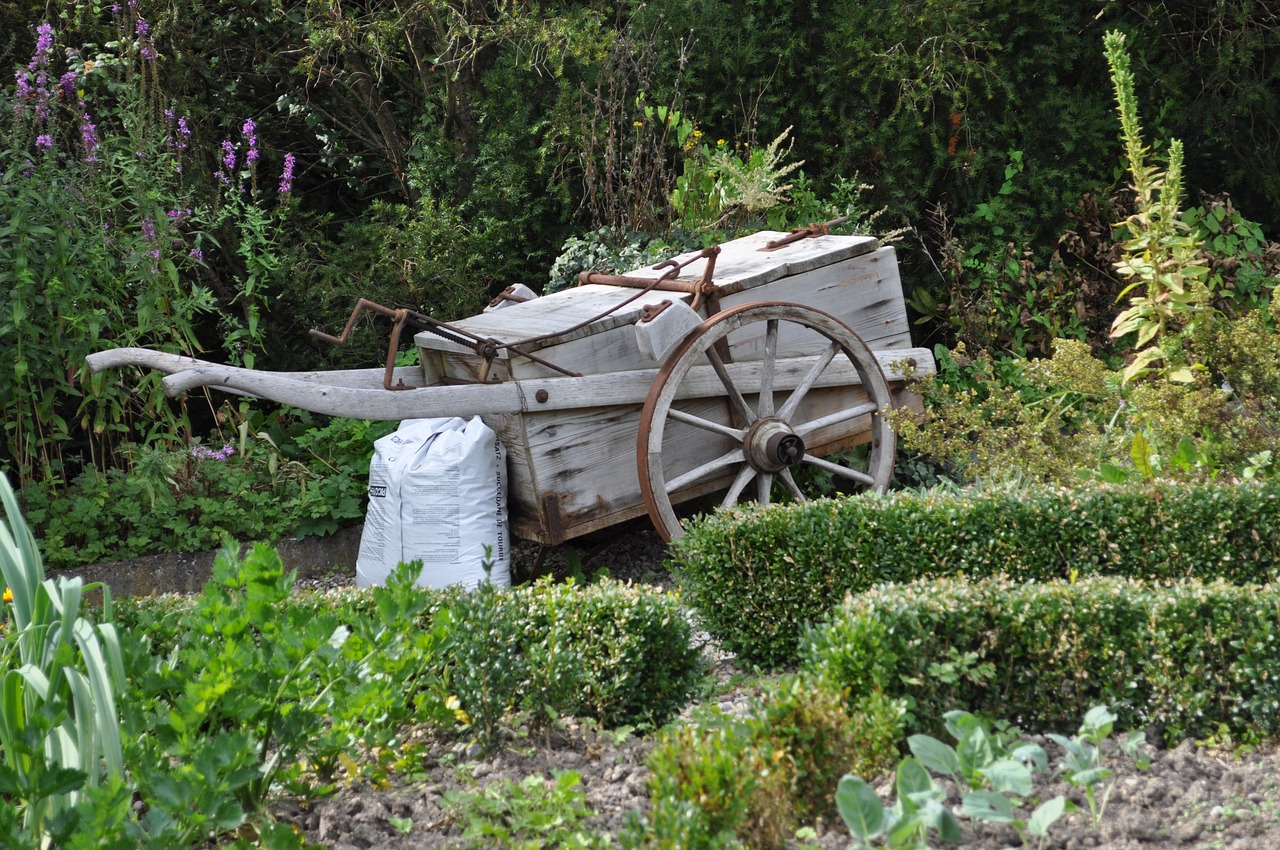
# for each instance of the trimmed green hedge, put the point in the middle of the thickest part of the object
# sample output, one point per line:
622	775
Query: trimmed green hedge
758	576
1190	657
620	653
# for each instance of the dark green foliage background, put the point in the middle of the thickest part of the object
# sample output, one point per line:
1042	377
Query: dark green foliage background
869	87
442	144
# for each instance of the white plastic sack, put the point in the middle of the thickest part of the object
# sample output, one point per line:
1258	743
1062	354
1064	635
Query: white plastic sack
437	493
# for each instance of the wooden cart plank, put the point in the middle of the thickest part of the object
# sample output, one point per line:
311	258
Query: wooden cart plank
741	267
552	314
541	395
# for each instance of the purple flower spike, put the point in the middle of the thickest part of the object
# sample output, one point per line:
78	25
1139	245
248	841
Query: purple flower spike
88	135
44	141
206	453
286	176
250	134
44	43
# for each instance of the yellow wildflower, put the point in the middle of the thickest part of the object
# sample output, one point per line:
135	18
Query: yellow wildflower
719	143
697	134
455	705
637	123
8	595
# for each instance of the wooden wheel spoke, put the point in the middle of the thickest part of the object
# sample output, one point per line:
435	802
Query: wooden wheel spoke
739	484
764	488
799	388
792	487
842	471
767	366
701	472
804	429
739	403
797	395
705	424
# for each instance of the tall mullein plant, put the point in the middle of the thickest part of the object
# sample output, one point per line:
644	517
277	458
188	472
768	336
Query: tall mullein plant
1160	255
59	724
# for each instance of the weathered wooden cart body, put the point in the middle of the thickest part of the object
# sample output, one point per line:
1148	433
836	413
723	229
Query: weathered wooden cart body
606	408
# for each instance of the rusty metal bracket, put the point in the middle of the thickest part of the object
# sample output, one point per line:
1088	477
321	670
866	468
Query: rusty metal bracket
668	281
552	520
508	294
487	348
653	311
800	233
398	317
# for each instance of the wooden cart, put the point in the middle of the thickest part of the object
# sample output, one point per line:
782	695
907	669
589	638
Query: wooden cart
749	369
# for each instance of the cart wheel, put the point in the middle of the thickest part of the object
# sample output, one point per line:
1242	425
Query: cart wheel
701	435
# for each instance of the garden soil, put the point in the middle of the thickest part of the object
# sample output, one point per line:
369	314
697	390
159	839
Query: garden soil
1190	797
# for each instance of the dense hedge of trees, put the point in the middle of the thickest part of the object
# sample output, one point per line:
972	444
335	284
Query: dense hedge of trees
440	150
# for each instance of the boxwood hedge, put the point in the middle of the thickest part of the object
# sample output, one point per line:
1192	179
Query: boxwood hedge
1192	658
623	653
757	576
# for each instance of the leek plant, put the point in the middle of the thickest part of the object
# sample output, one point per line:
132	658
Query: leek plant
59	676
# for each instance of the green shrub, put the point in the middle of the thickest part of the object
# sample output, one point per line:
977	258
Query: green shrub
823	738
714	784
635	645
757	576
1192	658
726	782
617	653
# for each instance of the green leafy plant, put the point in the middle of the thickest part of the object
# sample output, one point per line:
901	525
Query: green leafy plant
113	242
822	737
1160	255
243	696
610	251
60	727
918	809
270	478
526	815
995	774
487	667
711	783
1082	764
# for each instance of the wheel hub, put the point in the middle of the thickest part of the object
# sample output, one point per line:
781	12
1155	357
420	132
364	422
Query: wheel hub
771	446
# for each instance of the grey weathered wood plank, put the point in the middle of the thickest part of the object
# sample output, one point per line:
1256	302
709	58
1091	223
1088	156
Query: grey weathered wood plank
546	394
741	267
